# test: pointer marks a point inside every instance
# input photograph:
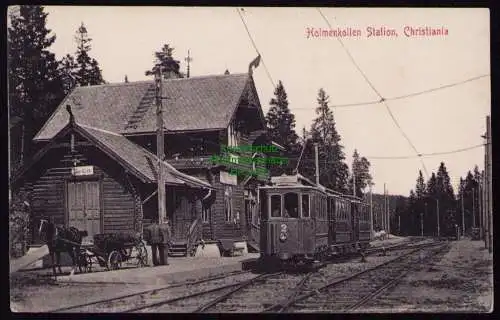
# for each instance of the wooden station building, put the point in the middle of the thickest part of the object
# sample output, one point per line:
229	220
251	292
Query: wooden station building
97	169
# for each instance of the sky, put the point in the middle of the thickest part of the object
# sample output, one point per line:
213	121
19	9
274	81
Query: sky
124	40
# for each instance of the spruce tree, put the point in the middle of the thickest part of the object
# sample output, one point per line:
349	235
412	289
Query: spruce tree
333	171
164	59
35	87
88	71
281	128
361	170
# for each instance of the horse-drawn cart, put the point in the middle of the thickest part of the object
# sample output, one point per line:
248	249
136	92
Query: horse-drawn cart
110	250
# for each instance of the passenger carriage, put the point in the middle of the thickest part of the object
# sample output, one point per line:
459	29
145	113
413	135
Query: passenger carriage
302	222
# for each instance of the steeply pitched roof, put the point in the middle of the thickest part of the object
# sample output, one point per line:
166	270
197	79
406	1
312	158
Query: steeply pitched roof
141	159
133	157
196	103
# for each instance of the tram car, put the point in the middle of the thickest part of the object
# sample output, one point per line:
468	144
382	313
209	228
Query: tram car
302	222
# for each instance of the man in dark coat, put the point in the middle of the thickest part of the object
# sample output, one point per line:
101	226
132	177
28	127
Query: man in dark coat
166	235
153	236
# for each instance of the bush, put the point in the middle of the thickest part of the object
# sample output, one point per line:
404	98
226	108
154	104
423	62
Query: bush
19	225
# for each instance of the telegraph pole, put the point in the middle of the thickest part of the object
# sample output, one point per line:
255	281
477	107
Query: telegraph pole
316	162
388	215
371	211
480	207
463	212
421	224
473	209
160	146
438	222
384	226
188	59
489	188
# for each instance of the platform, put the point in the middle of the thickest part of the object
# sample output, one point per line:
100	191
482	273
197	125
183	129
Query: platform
178	270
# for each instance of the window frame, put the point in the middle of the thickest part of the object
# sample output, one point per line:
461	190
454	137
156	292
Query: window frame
301	206
298	194
269	205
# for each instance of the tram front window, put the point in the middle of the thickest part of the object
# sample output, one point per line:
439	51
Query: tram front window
276	206
291	205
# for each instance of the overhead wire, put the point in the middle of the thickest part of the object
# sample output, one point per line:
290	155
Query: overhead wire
255	46
378	93
405	96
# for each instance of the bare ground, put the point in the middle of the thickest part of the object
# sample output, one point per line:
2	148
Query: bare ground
462	281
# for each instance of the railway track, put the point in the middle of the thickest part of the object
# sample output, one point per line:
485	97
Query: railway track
354	291
122	302
226	293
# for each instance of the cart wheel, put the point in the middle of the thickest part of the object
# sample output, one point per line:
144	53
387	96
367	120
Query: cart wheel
88	266
142	255
114	260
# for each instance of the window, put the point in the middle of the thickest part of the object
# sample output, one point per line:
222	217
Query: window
276	206
205	214
305	206
228	203
291	205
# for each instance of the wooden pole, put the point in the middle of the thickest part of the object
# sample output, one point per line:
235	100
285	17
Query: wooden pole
438	222
160	146
371	212
463	212
473	208
489	189
316	162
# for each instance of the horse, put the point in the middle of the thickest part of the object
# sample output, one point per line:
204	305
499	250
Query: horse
61	239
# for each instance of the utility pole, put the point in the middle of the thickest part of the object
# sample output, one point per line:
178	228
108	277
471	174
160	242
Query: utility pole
438	222
480	205
316	162
384	225
463	213
188	59
371	211
426	215
489	189
399	224
387	216
473	209
421	224
160	146
353	181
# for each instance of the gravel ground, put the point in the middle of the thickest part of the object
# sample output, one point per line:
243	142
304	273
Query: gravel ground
461	281
35	292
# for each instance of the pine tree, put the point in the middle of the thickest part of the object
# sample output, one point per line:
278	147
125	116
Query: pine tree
361	169
68	68
333	171
281	127
170	67
412	223
35	86
88	71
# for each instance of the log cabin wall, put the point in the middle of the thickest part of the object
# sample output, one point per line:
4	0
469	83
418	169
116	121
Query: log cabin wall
120	209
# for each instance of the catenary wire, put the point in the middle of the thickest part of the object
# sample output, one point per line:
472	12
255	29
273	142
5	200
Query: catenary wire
380	96
405	96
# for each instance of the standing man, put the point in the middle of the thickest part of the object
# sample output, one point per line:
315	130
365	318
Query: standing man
166	236
152	235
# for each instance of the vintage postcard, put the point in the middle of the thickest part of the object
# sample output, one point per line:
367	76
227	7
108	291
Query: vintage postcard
249	160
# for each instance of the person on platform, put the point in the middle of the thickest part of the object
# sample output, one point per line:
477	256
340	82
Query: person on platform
153	237
166	236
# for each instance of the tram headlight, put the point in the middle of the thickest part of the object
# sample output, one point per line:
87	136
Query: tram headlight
283	236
